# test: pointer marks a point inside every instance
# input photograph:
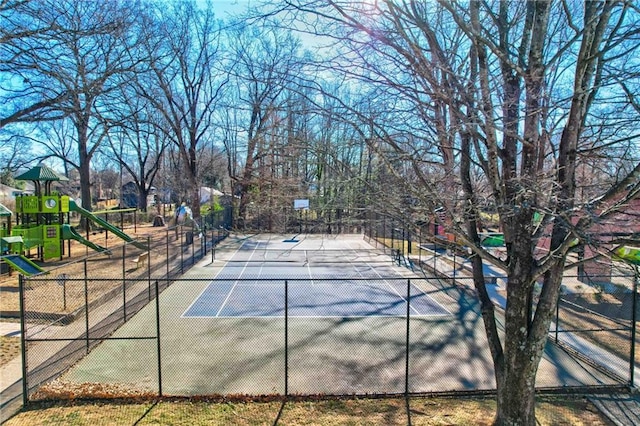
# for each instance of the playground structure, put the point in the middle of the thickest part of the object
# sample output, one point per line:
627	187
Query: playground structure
628	254
42	223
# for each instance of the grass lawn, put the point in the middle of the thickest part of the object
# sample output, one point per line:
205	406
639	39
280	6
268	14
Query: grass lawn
348	411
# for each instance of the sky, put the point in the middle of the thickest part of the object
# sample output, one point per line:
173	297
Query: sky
222	8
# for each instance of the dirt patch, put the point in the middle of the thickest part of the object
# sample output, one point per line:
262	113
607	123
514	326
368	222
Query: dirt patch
109	265
9	349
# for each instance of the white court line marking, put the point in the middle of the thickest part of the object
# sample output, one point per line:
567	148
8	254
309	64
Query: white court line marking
306	255
385	282
379	276
208	285
384	279
236	281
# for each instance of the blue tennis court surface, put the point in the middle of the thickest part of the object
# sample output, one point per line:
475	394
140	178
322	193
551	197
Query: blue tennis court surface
324	279
330	298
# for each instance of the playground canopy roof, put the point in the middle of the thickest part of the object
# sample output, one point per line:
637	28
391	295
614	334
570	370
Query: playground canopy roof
41	172
4	211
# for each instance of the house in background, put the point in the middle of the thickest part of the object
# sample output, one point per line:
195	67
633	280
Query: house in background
619	226
130	195
9	193
207	194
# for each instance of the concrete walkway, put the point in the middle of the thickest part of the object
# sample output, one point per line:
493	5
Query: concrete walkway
11	329
10	377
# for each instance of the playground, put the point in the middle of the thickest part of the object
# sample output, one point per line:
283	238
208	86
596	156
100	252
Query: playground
41	238
43	223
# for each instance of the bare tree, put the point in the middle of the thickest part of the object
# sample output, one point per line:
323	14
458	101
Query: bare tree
72	67
21	29
15	153
265	62
503	100
56	139
137	140
185	83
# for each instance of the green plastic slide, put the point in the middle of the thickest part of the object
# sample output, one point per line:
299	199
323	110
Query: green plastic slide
68	233
492	240
73	206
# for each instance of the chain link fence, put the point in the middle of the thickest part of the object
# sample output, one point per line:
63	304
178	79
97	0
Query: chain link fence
296	337
71	309
596	316
332	221
97	328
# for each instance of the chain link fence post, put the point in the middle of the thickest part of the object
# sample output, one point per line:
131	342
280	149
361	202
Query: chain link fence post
286	338
406	361
23	342
86	303
158	339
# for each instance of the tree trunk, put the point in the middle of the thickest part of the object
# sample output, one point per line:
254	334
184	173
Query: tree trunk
247	175
243	203
523	346
516	399
143	194
516	375
84	171
195	202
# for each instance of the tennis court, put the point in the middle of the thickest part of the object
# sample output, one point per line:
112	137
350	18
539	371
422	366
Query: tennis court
247	286
272	314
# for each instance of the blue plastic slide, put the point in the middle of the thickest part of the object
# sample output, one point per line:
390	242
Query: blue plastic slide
22	264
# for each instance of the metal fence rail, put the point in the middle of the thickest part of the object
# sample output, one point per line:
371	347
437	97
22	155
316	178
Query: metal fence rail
283	349
278	346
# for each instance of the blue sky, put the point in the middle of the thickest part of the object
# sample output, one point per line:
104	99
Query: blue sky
224	7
